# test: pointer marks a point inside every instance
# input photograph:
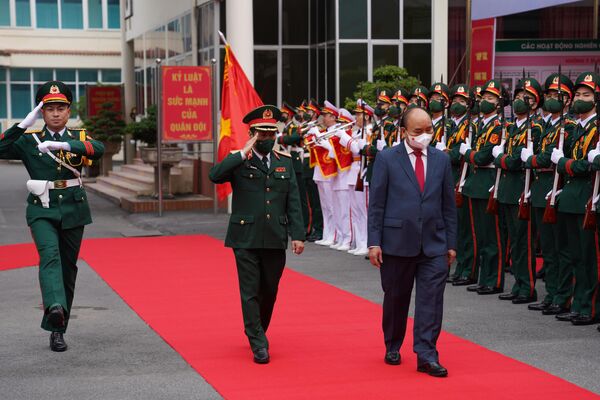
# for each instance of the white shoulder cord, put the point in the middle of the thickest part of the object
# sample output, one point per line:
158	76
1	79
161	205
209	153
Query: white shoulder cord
59	161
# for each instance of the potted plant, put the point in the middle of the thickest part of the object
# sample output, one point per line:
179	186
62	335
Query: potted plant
107	127
145	130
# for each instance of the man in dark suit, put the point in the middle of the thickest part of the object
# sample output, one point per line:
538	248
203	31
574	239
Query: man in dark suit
412	235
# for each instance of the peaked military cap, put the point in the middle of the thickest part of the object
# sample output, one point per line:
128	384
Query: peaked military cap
496	88
401	96
263	118
313	106
532	87
286	108
566	86
588	79
440	88
460	89
384	97
329	108
54	92
421	92
476	91
363	107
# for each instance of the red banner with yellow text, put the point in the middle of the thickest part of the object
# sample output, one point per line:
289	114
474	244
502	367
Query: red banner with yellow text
483	37
99	97
186	102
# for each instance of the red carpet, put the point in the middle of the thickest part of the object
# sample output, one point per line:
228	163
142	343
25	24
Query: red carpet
325	342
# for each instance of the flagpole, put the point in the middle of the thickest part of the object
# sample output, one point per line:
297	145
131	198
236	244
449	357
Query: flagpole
213	68
223	38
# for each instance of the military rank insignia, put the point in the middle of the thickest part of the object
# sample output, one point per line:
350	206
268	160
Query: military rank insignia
494	139
280	169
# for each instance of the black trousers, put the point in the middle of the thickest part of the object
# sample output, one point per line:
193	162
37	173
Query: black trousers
259	272
397	277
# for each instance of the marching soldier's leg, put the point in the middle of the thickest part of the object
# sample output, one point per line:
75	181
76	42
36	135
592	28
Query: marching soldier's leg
522	257
549	253
586	276
490	247
69	244
465	257
249	269
303	202
45	236
564	266
316	214
571	259
272	262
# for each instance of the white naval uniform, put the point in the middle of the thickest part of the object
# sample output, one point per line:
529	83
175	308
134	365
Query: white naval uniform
324	185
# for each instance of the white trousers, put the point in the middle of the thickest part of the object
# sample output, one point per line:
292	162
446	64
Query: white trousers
326	197
341	214
358	209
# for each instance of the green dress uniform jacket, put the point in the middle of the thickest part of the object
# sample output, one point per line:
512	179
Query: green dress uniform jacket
438	134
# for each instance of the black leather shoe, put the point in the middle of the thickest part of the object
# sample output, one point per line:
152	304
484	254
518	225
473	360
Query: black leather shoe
433	369
584	319
598	328
474	288
57	342
488	290
261	356
568	316
392	358
539	306
463	282
555	309
56	316
451	278
524	299
541	274
507	296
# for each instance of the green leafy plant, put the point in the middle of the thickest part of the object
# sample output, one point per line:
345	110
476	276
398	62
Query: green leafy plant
386	77
145	129
107	125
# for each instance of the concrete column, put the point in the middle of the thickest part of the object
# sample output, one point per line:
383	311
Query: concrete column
240	34
439	62
128	77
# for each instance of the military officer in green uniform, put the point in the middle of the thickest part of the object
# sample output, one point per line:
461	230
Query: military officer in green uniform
477	185
438	103
419	97
582	245
57	207
265	204
521	134
558	276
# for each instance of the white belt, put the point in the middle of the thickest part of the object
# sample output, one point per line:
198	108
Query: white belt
63	184
42	188
485	166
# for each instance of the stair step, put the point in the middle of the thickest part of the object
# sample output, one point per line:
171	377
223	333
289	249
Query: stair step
132	177
110	193
134	189
143	169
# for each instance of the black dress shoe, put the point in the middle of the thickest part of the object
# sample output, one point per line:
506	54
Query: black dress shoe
488	290
544	305
57	342
568	316
555	309
598	328
507	296
463	282
433	369
474	288
541	274
392	358
524	299
584	319
261	356
451	278
56	316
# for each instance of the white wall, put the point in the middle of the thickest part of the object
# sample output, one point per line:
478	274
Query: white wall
150	14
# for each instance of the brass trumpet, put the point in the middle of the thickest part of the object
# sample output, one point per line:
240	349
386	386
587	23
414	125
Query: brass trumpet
327	135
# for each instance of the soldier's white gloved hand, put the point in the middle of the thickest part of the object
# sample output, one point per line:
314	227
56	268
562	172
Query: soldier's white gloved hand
324	143
50	145
592	155
556	155
497	150
338	133
380	144
440	146
464	147
525	154
31	117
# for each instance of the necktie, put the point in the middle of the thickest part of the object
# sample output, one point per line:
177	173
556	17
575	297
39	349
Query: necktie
419	169
265	162
57	137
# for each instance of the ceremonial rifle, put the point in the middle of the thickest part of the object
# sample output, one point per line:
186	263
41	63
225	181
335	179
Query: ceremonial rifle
444	138
589	220
492	205
524	204
458	196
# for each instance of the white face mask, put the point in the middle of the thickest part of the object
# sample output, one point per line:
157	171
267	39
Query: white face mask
420	142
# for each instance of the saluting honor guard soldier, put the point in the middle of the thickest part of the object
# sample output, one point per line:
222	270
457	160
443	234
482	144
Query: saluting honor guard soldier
57	206
265	204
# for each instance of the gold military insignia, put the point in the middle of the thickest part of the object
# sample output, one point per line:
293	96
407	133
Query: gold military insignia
494	139
54	89
527	83
478	90
491	85
382	93
438	87
418	91
267	114
555	80
588	78
461	89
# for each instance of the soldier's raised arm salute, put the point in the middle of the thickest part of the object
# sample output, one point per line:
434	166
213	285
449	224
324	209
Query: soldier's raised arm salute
57	208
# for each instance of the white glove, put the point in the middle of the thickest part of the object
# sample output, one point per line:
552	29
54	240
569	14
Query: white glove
464	147
31	117
497	150
324	143
556	155
380	144
592	155
50	145
361	143
525	154
440	146
338	133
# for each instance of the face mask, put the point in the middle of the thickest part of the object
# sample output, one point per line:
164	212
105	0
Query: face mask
487	107
394	111
552	105
520	107
306	117
420	142
436	106
379	111
458	109
282	119
264	147
581	106
475	109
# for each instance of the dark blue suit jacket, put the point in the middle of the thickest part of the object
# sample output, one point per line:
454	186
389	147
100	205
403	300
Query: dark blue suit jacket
402	220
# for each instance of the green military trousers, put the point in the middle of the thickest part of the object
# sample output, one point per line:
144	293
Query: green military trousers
549	245
58	250
303	201
489	245
581	258
259	272
467	259
520	238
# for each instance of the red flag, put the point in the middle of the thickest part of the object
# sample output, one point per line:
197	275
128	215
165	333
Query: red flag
237	99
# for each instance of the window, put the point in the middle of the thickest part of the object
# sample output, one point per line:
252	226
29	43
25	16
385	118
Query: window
4	13
417	60
295	75
20	75
21	101
72	14
111	75
65	75
43	75
353	68
3	94
23	12
47	13
88	75
384	19
385	55
417	19
114	14
95	13
353	19
266	21
265	75
295	22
